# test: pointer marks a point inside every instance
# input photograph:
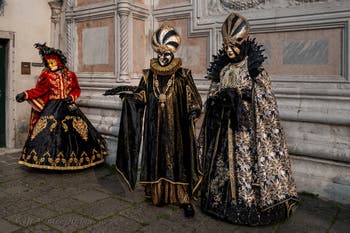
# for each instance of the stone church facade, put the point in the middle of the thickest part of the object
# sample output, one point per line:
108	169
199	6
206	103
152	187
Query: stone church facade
107	43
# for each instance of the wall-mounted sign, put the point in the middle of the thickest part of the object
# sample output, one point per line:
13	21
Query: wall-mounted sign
37	64
25	67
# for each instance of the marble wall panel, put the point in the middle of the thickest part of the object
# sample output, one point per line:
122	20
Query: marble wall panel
139	45
95	46
95	41
308	52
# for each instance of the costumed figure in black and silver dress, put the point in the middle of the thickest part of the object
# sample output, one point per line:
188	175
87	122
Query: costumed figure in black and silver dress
169	102
60	136
247	171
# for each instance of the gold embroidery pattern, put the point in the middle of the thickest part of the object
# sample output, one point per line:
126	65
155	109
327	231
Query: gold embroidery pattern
235	76
274	176
78	124
62	162
41	125
81	127
216	184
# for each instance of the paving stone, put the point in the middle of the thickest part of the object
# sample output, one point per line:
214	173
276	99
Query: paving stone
102	171
136	196
96	200
3	195
69	222
147	213
104	208
116	224
305	222
258	229
164	226
111	185
38	228
65	205
342	220
52	195
31	216
12	206
17	189
206	224
6	226
90	196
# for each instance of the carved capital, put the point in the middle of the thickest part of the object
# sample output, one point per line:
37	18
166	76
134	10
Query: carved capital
56	9
123	8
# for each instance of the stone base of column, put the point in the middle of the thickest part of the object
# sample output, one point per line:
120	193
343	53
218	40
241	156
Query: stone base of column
124	77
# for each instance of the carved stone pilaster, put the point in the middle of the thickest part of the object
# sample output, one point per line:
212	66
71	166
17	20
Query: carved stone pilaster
68	30
124	12
2	7
56	9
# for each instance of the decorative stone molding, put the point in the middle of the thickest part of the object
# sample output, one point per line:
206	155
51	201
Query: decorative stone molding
10	103
2	7
124	12
237	5
216	7
56	9
68	30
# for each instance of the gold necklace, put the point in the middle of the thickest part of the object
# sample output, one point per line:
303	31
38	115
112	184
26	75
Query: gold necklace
159	95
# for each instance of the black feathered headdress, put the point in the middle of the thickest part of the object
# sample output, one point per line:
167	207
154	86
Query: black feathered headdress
250	48
46	52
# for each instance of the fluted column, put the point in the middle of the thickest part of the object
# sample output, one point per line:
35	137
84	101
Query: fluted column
56	9
124	11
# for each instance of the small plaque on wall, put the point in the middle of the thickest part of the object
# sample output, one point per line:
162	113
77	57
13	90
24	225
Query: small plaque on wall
37	64
25	67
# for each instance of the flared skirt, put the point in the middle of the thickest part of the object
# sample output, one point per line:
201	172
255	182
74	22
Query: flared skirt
63	139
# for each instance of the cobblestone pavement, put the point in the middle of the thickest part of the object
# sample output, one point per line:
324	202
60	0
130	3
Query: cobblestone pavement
94	200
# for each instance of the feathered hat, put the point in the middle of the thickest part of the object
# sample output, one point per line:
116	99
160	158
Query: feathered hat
48	53
235	27
165	39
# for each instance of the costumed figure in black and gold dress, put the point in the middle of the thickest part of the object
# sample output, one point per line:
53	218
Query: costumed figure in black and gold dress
169	102
60	136
247	171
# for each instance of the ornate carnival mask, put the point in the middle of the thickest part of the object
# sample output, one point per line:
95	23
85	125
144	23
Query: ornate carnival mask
53	62
165	42
234	31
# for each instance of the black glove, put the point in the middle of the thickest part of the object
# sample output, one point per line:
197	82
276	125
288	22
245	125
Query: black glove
20	97
69	99
228	95
247	94
194	114
211	100
123	95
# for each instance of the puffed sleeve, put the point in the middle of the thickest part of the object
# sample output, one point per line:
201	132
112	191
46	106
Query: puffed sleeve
75	88
40	89
194	100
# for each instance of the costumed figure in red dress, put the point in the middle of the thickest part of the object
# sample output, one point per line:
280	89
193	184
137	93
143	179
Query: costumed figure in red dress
169	102
60	136
247	171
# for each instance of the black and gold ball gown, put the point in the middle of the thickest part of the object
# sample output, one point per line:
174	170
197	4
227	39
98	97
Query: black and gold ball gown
60	136
162	105
247	170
